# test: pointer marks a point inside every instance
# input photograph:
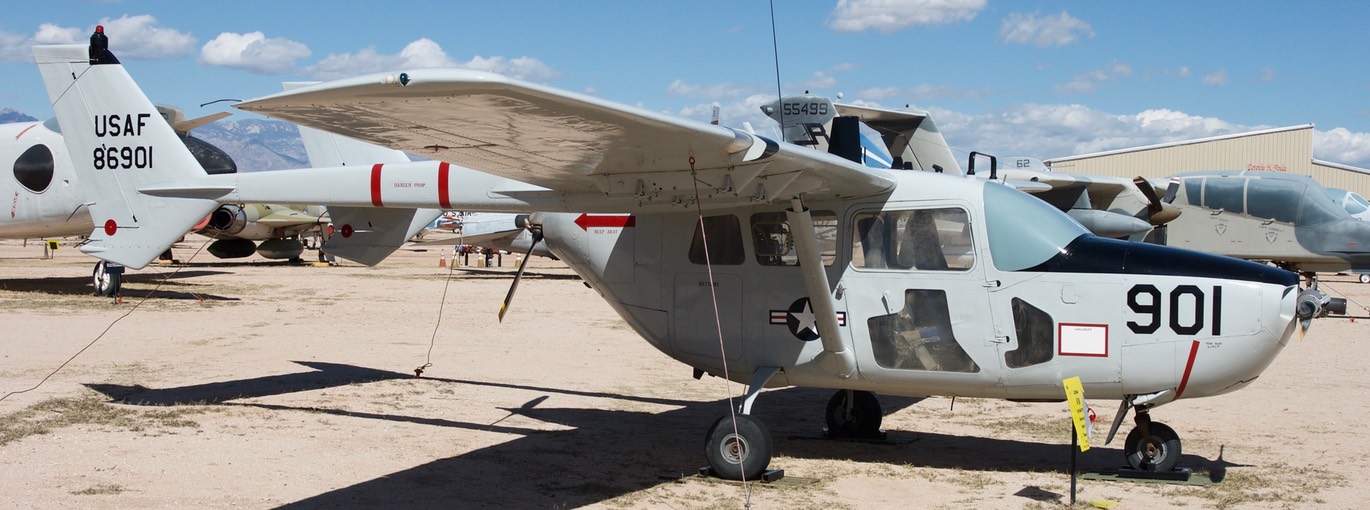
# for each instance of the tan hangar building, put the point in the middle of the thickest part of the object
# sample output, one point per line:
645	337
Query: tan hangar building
1285	149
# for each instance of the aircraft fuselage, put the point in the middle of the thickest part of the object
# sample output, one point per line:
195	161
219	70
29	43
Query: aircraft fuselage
929	303
41	196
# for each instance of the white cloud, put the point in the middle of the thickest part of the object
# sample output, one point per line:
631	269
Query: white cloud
140	37
891	15
713	92
1055	130
736	112
15	47
523	68
1089	81
130	37
1267	75
819	81
1183	72
426	53
919	93
1341	145
1216	78
1059	30
253	52
49	33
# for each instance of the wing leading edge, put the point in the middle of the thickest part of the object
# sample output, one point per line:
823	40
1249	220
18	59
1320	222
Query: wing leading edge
566	142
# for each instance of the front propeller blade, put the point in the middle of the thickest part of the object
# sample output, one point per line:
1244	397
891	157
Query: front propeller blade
504	307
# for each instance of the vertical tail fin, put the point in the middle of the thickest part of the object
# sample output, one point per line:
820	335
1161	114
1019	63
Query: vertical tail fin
119	144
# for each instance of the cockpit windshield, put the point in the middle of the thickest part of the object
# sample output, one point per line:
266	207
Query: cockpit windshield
1024	231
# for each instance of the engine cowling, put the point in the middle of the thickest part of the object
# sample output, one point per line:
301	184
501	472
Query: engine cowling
227	219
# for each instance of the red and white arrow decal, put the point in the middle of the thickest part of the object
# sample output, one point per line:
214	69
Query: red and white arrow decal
589	221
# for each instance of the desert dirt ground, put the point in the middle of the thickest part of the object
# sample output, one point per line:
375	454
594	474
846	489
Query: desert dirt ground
261	385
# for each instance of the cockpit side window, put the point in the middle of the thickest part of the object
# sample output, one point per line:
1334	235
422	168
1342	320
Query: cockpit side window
34	168
1226	193
1036	336
1356	204
724	235
1191	191
1274	199
1319	208
774	244
937	239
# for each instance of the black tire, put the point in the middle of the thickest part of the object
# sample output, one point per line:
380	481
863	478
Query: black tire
863	420
1364	278
106	282
1166	443
743	455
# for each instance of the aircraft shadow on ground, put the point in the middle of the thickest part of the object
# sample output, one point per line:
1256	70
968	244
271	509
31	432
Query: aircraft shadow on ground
508	273
324	375
631	450
174	288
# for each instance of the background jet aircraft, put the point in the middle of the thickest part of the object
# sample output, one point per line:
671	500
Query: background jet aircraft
928	284
1289	220
910	140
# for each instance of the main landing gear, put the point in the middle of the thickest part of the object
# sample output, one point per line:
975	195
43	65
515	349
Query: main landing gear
1151	446
107	277
744	452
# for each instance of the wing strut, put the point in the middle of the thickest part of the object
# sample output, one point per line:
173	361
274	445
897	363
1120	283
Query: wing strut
836	357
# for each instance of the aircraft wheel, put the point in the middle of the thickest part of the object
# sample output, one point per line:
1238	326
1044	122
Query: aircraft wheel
739	455
1365	277
862	420
106	281
1163	445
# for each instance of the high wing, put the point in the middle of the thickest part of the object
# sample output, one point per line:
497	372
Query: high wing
589	150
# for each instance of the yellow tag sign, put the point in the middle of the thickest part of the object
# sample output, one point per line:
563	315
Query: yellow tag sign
1075	396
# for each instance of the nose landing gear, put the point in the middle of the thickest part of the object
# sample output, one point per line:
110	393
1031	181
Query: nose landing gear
1152	446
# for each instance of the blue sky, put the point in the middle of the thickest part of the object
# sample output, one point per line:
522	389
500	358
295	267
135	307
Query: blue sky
1009	78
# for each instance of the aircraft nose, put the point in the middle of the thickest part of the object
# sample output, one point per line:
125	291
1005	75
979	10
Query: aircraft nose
1225	364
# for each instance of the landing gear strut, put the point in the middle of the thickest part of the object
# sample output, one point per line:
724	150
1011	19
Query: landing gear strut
1151	446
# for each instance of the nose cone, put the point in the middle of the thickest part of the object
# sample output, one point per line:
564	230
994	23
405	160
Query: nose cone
1223	364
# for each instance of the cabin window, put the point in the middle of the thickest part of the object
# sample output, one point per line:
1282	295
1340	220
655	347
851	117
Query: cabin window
919	336
1036	336
1225	193
1274	199
775	246
724	236
922	239
33	168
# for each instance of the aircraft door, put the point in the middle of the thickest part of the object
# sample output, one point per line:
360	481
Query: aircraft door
915	297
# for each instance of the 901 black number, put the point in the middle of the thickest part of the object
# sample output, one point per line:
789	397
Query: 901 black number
1145	299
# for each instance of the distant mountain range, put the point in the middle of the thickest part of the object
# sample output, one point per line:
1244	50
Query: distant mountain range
8	115
255	145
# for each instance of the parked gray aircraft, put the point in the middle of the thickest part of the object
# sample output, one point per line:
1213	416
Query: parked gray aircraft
822	272
1288	220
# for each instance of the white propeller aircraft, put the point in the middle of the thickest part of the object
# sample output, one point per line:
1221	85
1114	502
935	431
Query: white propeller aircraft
46	198
819	271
